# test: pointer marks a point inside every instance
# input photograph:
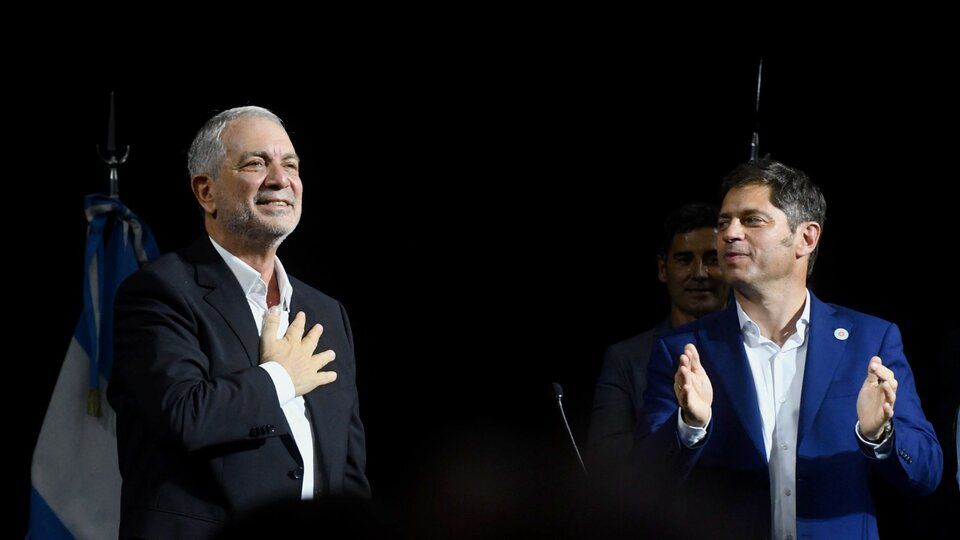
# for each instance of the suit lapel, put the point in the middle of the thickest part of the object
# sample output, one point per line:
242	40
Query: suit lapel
824	351
225	295
728	359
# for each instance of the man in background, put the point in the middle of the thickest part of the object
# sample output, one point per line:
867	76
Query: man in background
687	264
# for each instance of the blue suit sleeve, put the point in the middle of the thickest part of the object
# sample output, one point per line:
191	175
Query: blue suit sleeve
659	448
916	463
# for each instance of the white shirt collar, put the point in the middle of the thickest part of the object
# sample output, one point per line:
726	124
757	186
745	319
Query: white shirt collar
751	331
250	280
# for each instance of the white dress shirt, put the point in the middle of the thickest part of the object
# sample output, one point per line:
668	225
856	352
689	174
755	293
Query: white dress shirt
293	406
778	378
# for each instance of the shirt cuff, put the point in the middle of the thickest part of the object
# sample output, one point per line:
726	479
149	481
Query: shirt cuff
690	435
876	450
281	381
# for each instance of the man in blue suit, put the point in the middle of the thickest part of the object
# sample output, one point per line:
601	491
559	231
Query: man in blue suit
777	416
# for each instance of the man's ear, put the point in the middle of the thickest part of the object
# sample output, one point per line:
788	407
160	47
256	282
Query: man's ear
661	269
203	187
809	238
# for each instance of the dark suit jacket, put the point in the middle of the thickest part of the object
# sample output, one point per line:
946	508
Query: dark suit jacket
616	404
200	433
725	479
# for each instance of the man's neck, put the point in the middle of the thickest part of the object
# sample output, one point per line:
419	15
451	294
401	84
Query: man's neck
679	317
273	292
261	258
775	308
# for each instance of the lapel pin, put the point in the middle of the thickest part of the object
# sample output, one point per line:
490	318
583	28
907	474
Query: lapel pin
841	334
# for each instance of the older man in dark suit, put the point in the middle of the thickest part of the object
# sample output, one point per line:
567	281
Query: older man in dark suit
221	398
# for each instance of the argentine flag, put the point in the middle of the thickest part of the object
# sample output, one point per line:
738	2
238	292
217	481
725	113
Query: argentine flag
75	478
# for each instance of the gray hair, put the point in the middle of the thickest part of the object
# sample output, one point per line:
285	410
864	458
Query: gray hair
206	151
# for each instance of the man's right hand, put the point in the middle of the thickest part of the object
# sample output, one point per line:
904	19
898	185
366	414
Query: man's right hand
294	351
693	389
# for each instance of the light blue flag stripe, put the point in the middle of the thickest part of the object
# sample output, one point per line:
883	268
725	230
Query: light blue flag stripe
75	490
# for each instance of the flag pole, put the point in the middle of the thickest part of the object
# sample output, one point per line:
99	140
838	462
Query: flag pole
111	157
755	141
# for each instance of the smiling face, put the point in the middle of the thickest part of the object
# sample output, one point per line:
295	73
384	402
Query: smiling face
755	242
257	195
692	273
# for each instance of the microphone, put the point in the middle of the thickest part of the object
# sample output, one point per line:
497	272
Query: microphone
558	394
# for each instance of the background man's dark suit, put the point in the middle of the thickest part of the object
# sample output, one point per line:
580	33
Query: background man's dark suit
201	435
619	507
617	403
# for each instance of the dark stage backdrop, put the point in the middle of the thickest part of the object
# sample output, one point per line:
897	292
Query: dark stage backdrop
490	220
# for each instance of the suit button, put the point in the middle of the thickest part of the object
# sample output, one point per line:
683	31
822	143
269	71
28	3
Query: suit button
271	429
254	432
296	474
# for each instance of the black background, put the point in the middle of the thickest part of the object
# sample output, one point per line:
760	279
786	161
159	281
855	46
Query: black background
489	217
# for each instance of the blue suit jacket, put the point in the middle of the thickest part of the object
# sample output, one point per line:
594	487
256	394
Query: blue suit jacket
723	483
